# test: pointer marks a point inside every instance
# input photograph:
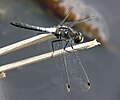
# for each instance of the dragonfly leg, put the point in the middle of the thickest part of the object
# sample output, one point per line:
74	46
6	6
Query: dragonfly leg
70	45
52	43
66	46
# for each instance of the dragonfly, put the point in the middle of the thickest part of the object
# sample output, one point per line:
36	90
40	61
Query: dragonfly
63	32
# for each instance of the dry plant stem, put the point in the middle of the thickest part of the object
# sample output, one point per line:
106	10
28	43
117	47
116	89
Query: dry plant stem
46	56
25	43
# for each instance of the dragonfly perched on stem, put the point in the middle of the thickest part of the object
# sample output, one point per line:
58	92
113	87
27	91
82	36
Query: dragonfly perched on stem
64	32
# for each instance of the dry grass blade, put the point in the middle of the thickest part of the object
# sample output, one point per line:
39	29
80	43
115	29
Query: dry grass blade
42	57
25	43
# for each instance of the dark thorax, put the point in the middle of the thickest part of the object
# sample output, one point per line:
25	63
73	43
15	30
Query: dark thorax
67	33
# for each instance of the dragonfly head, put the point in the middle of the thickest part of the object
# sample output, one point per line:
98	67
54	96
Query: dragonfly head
78	38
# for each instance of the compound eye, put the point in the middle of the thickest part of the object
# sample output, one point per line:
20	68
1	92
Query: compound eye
79	39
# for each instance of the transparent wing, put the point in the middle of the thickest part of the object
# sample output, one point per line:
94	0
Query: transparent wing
61	65
72	71
78	76
74	23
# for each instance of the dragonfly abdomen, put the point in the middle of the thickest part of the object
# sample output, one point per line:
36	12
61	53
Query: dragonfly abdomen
31	27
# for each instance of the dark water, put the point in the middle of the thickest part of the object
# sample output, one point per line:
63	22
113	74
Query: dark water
42	81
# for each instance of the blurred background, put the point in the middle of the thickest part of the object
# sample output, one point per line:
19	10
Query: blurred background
42	80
